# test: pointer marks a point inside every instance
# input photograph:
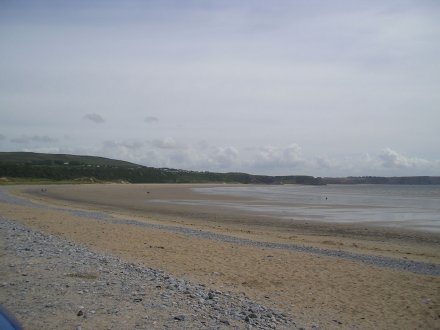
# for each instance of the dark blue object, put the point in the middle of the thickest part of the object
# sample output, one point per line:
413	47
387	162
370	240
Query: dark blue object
7	321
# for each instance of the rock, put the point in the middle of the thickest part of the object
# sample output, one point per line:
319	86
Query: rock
120	293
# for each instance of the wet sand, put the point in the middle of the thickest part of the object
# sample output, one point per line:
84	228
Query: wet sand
313	289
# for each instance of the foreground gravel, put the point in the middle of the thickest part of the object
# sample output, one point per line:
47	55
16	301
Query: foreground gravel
50	283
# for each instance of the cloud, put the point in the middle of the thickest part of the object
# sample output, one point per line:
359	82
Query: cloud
266	160
151	119
2	137
124	150
325	163
211	158
166	143
203	156
94	117
392	159
35	138
130	145
224	157
387	162
275	157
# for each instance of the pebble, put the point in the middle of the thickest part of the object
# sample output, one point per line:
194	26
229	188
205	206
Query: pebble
118	290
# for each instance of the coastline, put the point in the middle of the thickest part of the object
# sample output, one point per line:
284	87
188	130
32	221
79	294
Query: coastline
134	201
310	288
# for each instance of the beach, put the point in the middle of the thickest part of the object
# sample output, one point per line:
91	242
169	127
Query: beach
318	274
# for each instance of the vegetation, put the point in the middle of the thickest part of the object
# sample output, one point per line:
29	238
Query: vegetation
55	168
28	167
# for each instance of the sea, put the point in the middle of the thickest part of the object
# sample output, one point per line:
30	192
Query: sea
405	206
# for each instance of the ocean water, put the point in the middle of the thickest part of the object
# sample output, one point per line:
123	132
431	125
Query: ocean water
409	206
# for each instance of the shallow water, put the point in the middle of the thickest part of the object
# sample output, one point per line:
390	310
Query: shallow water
409	206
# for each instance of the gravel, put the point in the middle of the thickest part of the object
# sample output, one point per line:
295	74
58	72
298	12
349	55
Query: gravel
51	283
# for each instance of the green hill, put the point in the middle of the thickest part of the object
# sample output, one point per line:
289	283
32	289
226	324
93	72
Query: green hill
61	167
30	166
33	158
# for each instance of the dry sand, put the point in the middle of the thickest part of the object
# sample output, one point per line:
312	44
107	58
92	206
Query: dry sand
331	292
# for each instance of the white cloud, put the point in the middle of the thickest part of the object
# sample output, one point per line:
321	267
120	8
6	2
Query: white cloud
166	143
123	150
270	160
387	162
130	145
325	163
392	159
278	157
224	157
94	117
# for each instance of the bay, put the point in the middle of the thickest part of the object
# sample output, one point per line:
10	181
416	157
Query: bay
407	206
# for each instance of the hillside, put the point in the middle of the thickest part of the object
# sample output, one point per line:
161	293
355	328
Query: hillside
95	169
62	167
60	159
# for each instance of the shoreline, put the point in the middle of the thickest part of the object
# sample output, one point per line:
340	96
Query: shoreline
401	264
133	201
313	289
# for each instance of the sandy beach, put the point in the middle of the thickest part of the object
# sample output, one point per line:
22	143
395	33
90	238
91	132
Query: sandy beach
314	290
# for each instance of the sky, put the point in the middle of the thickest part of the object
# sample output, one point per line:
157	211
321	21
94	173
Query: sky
280	87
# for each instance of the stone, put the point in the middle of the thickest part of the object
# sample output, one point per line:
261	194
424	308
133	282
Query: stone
134	290
224	321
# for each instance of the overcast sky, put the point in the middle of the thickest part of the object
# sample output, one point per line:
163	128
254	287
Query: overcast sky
325	88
